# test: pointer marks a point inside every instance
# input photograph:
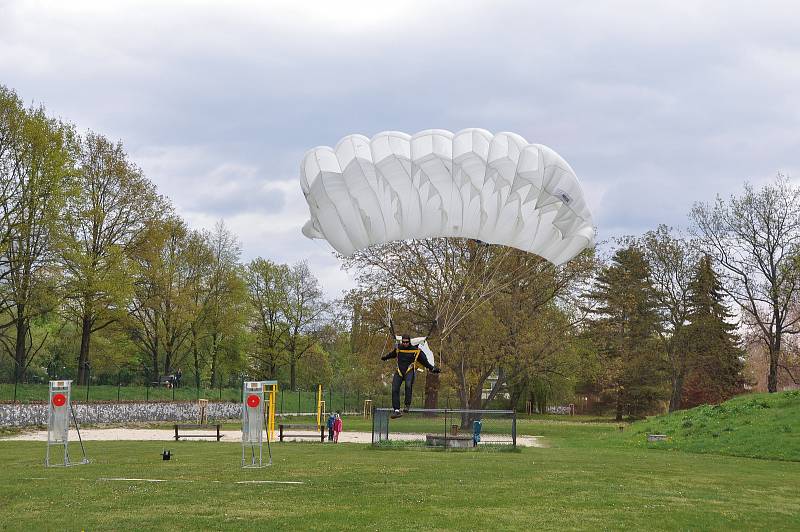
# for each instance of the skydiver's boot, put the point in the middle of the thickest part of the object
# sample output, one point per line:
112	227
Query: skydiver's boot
396	414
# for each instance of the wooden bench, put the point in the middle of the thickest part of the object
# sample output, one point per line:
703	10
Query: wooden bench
300	426
178	428
165	381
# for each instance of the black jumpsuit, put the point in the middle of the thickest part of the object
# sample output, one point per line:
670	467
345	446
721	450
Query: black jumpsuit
407	360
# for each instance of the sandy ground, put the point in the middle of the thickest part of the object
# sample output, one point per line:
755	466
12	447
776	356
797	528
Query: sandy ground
115	434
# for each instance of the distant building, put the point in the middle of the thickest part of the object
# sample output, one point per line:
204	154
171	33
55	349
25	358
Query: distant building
488	386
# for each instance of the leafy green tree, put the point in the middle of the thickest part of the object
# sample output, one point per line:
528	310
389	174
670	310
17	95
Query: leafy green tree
367	338
220	301
546	367
103	221
314	368
199	258
624	332
162	309
448	279
38	170
12	120
267	292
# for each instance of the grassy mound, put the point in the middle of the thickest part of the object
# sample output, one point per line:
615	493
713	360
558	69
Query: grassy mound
756	426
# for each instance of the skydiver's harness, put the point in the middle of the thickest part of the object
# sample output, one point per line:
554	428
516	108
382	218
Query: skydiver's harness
414	364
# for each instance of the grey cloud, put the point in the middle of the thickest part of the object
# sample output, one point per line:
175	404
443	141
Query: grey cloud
654	106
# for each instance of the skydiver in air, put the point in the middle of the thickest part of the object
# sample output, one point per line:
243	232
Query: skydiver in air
409	358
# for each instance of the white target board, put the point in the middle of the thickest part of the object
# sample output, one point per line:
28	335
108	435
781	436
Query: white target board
252	423
59	413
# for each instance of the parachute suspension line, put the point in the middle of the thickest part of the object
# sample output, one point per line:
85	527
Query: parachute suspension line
518	274
445	306
487	289
462	308
456	309
454	304
472	276
386	345
389	304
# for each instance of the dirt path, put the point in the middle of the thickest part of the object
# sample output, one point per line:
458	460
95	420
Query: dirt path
234	436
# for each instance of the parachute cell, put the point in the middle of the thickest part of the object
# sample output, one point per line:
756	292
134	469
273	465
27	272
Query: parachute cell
499	189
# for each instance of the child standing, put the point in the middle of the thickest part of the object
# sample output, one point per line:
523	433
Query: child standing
337	427
331	421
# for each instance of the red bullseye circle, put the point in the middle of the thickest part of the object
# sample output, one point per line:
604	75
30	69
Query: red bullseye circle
59	399
253	401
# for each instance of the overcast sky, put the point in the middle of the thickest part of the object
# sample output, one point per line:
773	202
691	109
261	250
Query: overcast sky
655	105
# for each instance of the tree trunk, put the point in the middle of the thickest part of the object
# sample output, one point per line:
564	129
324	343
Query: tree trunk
431	390
214	358
619	405
772	378
154	355
168	369
677	390
196	355
83	354
293	375
19	348
432	382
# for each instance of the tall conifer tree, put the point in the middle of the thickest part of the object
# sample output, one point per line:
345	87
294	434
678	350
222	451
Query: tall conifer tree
624	330
715	374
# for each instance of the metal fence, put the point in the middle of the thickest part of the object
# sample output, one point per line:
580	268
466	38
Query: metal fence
288	402
445	427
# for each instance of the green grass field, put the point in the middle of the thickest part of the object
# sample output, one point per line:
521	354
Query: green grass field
589	477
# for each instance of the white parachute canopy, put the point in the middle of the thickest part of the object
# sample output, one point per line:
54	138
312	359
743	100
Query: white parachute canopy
499	189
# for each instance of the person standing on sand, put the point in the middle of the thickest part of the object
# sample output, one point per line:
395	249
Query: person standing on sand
330	424
337	427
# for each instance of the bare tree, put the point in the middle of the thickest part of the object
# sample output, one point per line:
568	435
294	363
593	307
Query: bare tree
304	312
755	240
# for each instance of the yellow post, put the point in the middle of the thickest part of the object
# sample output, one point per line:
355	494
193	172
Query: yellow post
273	404
319	406
271	394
